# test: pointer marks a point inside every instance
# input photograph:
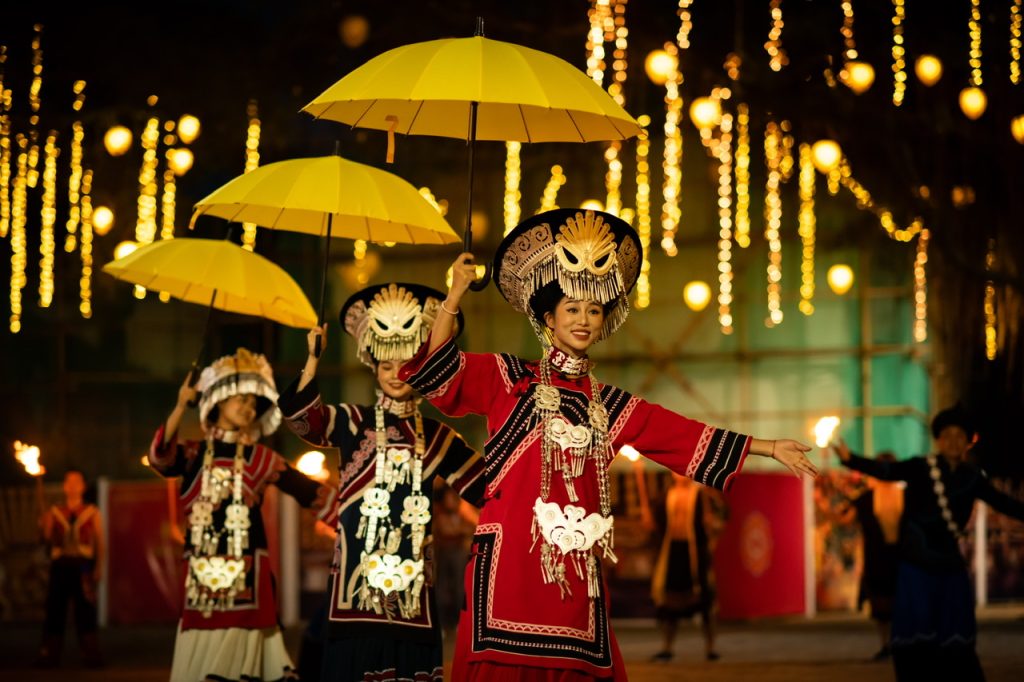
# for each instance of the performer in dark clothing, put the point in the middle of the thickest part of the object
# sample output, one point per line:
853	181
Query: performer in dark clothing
382	621
934	628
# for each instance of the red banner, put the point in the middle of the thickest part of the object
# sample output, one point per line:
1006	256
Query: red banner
759	561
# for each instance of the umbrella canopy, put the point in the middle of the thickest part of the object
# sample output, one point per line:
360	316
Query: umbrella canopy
217	273
303	195
523	95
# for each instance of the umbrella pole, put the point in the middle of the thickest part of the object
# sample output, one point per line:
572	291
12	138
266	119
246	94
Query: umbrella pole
323	284
467	237
193	374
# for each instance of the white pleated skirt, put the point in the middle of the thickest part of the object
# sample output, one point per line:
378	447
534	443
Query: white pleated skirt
231	654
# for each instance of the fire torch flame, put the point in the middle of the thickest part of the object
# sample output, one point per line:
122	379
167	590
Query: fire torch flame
629	452
824	430
312	464
28	455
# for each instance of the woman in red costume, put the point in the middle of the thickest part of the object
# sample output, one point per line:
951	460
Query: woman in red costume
536	601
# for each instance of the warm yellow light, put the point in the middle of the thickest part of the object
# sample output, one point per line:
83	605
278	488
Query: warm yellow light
125	248
312	464
188	128
28	455
697	295
858	76
117	140
824	430
928	69
840	278
102	220
826	155
592	205
630	453
180	160
1017	128
354	30
660	66
705	112
973	102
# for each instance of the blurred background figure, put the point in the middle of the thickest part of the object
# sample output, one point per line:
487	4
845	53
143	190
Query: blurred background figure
454	523
878	511
74	533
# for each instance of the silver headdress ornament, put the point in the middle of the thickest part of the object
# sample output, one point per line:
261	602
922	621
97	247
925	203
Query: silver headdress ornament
243	373
594	256
390	321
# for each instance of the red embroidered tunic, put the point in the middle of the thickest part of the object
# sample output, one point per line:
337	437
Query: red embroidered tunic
512	617
256	606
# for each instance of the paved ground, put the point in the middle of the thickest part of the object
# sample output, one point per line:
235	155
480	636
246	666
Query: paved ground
831	649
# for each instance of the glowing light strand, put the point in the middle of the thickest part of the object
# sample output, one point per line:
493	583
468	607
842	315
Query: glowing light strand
643	211
685	24
550	196
513	176
777	57
145	224
35	103
773	220
19	260
672	160
48	219
850	53
1015	41
74	185
252	161
991	337
5	151
807	226
974	27
742	164
899	62
85	250
725	274
600	11
921	288
866	202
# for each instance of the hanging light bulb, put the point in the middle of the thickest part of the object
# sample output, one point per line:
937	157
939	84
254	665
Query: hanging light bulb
826	155
660	65
1017	128
928	69
188	128
124	248
102	220
180	160
705	112
117	140
858	76
697	295
840	278
973	102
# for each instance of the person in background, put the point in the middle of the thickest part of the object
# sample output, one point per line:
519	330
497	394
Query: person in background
933	626
454	523
73	531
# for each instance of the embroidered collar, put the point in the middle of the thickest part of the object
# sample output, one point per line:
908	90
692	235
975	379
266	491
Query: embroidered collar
402	409
567	364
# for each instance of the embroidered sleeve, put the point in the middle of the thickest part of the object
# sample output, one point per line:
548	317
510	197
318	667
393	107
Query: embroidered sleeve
456	383
461	467
707	454
309	419
170	458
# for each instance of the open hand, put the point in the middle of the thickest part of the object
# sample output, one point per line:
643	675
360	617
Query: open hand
792	454
842	450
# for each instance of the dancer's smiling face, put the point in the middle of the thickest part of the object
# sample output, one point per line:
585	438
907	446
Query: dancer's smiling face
237	412
575	325
387	379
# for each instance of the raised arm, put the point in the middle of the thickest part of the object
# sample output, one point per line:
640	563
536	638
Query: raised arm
303	408
463	274
186	396
166	455
881	469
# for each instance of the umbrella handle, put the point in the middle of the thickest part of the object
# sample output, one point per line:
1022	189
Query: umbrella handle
193	378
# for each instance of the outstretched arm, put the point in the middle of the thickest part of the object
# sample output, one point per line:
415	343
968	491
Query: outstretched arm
880	469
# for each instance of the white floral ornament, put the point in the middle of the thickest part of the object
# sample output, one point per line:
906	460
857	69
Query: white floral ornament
216	573
566	435
416	510
375	503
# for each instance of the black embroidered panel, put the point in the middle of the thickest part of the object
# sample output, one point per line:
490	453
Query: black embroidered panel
485	638
723	456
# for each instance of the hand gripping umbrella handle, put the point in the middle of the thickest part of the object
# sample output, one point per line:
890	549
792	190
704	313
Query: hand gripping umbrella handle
480	284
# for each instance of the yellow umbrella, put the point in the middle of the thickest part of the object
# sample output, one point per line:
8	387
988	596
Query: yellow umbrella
329	196
523	95
314	195
475	89
219	274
